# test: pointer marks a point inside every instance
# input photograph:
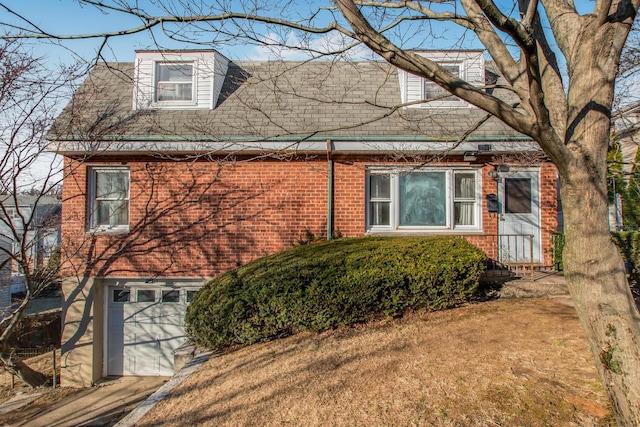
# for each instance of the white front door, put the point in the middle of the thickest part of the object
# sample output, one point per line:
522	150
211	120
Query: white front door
145	326
519	218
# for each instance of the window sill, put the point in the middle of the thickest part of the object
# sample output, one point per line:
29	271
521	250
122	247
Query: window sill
465	232
108	231
172	105
440	105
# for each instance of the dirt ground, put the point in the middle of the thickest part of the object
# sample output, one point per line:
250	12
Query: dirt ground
506	362
48	396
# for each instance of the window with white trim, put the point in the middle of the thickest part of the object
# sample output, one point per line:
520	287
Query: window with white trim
174	81
426	199
109	198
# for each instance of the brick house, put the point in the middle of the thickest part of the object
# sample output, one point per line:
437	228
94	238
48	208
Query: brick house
183	165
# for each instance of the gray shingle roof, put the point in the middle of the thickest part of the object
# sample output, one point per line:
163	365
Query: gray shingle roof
288	100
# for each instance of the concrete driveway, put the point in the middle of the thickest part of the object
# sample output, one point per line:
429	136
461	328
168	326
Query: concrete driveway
102	405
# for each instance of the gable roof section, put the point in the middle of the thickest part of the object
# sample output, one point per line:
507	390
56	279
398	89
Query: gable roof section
269	104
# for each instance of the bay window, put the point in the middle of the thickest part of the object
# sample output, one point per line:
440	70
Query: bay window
437	199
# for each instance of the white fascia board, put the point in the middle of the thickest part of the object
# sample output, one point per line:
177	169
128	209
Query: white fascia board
337	146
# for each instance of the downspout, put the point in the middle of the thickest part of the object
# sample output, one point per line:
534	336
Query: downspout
329	191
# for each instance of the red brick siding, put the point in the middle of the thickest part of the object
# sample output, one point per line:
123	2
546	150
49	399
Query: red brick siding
548	208
204	218
200	218
349	198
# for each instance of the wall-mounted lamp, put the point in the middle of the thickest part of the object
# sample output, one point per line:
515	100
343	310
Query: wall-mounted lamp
470	156
497	169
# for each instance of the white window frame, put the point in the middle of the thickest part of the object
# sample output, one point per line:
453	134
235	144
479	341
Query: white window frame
452	101
92	199
394	220
157	81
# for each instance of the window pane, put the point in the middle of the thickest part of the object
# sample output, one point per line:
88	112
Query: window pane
121	295
174	91
171	296
190	295
175	72
432	90
464	213
423	198
452	68
380	186
380	213
517	195
112	212
112	185
465	186
146	295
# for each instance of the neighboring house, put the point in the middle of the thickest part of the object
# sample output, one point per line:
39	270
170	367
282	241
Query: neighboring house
5	277
32	222
184	165
626	124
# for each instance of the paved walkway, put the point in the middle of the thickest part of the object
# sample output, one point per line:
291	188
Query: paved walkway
544	284
102	405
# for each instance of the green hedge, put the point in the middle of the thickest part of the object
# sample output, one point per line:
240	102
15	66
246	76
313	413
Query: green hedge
628	243
342	282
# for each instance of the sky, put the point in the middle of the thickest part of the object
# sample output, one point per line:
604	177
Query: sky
68	17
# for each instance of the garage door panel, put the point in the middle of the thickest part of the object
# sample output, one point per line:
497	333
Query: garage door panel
142	336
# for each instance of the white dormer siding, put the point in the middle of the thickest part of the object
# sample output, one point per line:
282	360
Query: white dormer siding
178	79
468	64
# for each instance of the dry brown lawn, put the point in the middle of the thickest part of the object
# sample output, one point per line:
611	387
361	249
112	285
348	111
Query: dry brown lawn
519	362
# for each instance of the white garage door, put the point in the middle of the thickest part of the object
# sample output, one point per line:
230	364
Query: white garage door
145	325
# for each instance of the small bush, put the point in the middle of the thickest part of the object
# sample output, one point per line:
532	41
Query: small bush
627	242
337	283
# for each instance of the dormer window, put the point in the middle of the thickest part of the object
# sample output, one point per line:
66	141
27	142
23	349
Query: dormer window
174	81
418	92
178	80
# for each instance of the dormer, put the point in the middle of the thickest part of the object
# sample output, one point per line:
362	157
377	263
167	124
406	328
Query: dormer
466	64
186	79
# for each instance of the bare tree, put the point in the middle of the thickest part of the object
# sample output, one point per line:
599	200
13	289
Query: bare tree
29	94
560	64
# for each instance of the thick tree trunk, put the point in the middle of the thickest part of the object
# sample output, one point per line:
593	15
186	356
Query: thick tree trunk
20	369
598	285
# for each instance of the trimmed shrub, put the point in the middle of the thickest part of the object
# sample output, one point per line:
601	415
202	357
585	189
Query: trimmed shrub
628	243
325	285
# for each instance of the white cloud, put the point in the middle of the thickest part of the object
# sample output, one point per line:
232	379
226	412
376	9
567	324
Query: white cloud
291	48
